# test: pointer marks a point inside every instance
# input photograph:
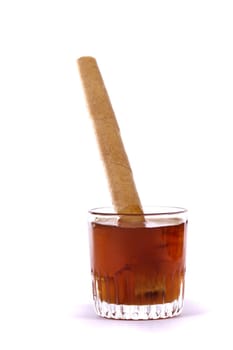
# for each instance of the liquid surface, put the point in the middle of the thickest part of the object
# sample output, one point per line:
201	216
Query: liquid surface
138	265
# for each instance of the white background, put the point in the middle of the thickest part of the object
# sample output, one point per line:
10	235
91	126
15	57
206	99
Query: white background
168	69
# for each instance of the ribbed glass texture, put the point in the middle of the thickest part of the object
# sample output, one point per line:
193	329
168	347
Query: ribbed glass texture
136	312
138	264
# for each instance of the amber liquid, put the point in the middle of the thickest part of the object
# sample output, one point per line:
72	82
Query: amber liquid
138	265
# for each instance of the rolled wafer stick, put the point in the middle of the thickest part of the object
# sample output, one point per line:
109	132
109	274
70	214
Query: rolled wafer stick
124	194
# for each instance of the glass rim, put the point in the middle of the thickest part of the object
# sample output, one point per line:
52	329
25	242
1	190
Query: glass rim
156	210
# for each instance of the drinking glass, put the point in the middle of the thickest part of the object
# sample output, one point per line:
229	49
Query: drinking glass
138	262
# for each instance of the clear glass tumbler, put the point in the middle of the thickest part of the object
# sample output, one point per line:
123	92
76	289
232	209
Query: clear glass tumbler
138	265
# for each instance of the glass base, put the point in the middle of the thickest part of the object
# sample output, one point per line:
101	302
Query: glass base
138	312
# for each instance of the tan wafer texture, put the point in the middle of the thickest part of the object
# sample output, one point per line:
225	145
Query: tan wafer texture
119	174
